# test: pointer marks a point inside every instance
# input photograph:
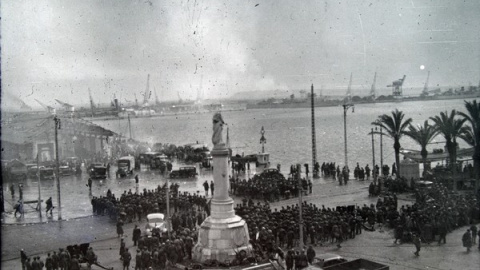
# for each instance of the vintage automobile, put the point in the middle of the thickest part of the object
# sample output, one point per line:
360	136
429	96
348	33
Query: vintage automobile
32	170
156	224
184	172
125	166
66	171
147	157
159	162
97	171
17	170
325	260
47	173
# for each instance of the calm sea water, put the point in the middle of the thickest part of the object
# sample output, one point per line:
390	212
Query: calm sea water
288	131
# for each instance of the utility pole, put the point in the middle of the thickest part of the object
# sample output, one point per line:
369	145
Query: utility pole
381	148
39	206
345	109
300	204
314	142
168	205
57	174
373	156
129	126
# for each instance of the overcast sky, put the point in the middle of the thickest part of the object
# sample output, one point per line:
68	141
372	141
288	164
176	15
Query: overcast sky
60	48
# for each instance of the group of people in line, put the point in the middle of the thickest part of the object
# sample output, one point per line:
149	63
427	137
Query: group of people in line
135	206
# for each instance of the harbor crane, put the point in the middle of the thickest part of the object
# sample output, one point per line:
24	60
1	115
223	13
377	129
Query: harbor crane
92	104
148	93
373	90
49	109
179	97
157	101
397	87
425	87
66	106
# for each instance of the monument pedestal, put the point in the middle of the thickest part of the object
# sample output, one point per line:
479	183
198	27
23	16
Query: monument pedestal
222	234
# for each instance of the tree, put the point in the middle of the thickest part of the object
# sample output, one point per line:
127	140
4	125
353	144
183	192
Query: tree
422	135
394	126
451	129
472	133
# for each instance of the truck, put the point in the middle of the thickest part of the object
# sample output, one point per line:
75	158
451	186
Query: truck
125	166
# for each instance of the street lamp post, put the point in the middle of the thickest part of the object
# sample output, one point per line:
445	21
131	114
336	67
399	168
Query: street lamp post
373	157
39	205
345	109
300	205
57	174
381	147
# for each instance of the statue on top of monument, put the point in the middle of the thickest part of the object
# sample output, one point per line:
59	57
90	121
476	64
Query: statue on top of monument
218	122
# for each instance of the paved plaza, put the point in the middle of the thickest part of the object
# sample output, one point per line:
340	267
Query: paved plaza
41	235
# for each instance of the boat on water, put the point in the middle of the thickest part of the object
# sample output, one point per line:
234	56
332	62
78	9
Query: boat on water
436	155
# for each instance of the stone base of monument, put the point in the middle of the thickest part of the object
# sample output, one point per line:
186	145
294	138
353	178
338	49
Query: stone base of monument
221	238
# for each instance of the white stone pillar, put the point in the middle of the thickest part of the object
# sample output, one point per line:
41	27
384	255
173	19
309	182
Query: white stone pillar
222	204
223	234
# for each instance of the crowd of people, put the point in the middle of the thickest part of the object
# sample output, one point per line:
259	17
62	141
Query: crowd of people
437	211
67	258
269	186
132	206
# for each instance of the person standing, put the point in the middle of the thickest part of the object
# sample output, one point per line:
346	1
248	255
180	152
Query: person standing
467	240
136	235
74	263
416	242
89	184
310	254
49	262
474	231
12	190
55	260
23	258
49	206
212	187
120	229
20	191
205	186
127	257
18	208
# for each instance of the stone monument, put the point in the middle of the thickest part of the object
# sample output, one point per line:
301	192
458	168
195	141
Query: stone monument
223	233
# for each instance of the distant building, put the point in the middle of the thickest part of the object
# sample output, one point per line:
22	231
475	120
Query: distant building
24	135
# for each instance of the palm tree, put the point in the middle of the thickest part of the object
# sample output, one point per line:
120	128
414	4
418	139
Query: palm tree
472	133
451	129
394	127
422	135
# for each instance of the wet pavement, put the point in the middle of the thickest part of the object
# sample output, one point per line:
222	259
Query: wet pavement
39	235
76	196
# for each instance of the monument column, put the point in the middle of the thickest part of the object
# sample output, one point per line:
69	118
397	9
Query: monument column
223	234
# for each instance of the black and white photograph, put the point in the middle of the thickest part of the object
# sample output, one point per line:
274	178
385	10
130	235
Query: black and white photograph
240	134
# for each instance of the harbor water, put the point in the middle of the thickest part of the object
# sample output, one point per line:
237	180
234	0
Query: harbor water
288	131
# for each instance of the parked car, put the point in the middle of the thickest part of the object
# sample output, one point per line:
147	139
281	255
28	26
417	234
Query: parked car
46	173
32	170
156	224
325	260
66	170
184	172
17	170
